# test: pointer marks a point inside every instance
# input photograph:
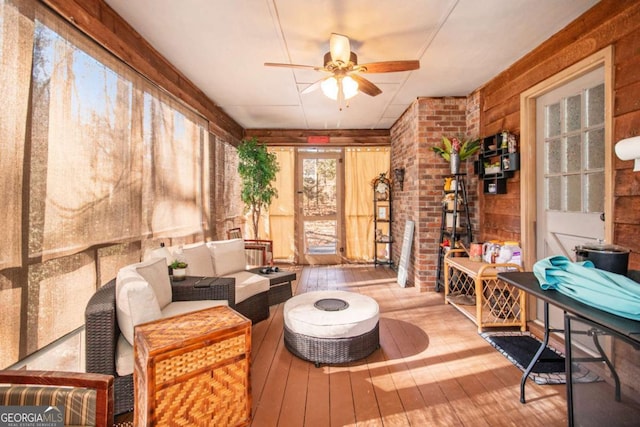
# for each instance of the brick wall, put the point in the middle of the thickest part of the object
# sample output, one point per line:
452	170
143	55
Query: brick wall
420	128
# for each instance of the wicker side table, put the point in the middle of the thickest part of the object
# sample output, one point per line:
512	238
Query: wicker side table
193	369
474	289
280	284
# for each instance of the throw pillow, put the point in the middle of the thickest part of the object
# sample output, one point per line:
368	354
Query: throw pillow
156	273
136	302
198	259
228	256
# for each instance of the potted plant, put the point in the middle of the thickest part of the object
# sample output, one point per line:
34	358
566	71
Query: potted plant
257	169
454	151
179	269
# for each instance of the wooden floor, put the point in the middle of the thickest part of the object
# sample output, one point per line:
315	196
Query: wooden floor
433	369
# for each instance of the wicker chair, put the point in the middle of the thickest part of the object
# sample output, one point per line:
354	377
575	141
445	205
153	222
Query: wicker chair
258	251
102	332
86	399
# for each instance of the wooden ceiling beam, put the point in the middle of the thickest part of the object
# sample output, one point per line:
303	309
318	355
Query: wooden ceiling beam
296	137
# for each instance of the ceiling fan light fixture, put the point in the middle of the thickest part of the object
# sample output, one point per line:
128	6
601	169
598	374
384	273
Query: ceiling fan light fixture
346	79
330	88
349	87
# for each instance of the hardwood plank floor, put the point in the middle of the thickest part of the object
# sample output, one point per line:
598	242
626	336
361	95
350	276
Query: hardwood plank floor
433	369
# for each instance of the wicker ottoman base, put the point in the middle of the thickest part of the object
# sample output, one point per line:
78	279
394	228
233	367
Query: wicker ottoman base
331	326
332	350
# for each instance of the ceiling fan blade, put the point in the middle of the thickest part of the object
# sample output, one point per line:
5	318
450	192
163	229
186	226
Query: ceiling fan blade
305	67
388	66
365	86
340	48
312	87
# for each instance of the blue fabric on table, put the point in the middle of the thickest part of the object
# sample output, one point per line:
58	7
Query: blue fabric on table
610	292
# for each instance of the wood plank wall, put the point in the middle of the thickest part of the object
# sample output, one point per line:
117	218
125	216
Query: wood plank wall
610	22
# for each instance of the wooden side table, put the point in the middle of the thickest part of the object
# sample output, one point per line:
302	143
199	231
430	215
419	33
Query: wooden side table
193	369
475	290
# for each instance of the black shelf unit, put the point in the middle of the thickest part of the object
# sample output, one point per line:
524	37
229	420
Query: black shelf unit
459	226
499	151
382	221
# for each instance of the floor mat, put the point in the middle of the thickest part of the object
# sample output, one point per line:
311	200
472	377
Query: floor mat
520	347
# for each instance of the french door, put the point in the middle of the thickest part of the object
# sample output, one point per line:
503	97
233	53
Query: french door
319	199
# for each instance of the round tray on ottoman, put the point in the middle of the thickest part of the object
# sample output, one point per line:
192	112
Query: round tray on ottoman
331	326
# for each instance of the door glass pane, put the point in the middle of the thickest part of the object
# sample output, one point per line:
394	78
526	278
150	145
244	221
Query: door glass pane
319	187
554	156
573	193
595	105
574	154
553	120
595	149
595	192
554	193
320	237
573	109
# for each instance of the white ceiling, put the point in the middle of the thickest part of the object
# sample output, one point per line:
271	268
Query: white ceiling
221	45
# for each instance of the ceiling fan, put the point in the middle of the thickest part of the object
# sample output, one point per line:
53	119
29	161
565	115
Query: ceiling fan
345	79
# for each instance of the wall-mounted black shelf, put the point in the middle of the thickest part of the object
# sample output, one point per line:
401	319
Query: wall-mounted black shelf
498	160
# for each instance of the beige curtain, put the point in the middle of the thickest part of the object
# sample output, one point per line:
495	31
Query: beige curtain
16	45
280	222
123	159
86	145
362	166
106	157
174	204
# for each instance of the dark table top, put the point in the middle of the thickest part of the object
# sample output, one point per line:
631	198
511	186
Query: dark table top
276	277
527	282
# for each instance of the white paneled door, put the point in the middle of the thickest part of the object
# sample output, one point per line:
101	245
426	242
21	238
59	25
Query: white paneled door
570	175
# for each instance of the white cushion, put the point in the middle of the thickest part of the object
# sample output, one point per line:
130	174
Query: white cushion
124	357
161	252
136	301
228	256
249	284
302	317
156	273
198	259
181	307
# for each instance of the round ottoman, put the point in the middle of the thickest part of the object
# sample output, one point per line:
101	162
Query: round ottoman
331	326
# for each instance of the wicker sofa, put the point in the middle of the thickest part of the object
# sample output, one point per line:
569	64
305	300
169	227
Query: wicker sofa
227	258
108	344
103	333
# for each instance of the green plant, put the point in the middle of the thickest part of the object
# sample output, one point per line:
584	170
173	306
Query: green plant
257	168
465	149
178	264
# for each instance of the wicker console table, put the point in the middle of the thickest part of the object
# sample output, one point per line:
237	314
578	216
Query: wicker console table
193	369
474	289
